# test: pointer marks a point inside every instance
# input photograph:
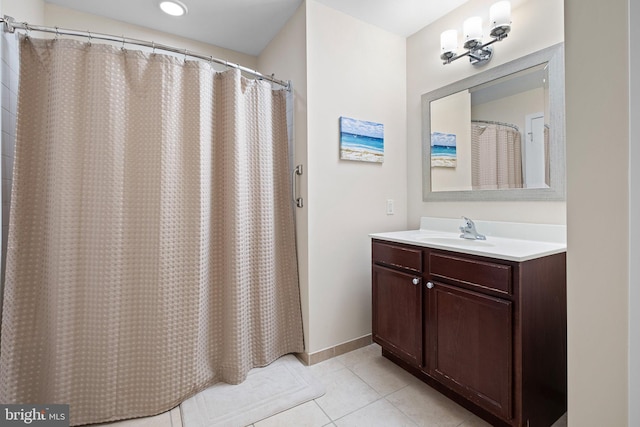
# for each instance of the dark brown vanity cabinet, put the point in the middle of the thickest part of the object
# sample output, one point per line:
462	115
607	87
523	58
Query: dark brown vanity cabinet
489	333
469	330
397	300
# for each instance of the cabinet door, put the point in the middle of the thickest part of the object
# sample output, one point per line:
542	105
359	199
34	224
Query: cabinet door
470	345
397	313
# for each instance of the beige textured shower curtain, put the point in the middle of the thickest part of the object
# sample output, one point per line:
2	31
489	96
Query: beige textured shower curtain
151	245
496	157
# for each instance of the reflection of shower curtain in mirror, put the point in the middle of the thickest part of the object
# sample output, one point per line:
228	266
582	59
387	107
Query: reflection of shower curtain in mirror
496	157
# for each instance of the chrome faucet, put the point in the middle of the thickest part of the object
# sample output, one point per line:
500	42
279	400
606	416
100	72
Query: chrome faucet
469	231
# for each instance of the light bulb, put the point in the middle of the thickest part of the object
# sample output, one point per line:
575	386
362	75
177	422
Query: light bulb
448	44
500	16
472	28
173	8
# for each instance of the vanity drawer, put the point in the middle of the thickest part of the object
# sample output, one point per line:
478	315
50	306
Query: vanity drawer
483	274
395	255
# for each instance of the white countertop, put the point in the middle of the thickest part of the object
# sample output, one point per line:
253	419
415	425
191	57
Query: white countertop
505	240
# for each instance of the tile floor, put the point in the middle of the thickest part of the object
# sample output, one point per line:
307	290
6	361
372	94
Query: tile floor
363	389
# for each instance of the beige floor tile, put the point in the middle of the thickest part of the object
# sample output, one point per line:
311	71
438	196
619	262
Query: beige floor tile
345	393
328	366
475	421
361	355
162	420
382	375
427	408
380	413
306	415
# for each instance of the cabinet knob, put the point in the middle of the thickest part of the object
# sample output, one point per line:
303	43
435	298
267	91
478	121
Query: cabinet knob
415	281
430	285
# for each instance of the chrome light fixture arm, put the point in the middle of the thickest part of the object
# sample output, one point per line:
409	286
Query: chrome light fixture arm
478	55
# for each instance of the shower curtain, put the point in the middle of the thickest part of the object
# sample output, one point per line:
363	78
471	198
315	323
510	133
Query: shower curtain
496	157
151	244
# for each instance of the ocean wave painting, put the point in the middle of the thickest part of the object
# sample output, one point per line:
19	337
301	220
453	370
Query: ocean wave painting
361	140
443	150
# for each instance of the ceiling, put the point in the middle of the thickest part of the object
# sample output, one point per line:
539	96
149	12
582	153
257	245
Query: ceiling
247	26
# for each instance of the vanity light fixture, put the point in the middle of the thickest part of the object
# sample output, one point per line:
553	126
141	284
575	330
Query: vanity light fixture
173	7
478	53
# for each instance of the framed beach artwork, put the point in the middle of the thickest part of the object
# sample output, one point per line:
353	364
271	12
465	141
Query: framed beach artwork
443	150
361	140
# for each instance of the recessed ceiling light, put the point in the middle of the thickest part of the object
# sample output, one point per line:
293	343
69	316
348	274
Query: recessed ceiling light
173	8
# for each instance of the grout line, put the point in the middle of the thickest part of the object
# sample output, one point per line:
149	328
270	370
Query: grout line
365	381
323	411
395	391
389	394
409	417
356	410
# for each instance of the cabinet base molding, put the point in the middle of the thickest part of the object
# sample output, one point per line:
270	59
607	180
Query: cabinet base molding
328	353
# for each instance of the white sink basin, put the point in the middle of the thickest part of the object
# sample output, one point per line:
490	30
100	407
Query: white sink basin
513	249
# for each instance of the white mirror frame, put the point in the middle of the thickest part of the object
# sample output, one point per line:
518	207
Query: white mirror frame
554	56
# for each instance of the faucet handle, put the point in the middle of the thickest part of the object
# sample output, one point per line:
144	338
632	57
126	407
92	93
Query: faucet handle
469	230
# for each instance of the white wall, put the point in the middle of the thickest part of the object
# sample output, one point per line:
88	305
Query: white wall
355	70
598	201
425	72
31	11
512	109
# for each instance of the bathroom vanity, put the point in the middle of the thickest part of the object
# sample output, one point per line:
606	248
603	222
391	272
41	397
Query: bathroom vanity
484	322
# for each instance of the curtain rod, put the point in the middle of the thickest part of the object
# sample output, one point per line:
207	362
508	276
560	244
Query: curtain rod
10	25
490	122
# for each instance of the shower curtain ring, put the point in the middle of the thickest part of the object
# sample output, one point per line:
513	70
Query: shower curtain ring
27	29
57	33
122	48
153	47
89	42
185	55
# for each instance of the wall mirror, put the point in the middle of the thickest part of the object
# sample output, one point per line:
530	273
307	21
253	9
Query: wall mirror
498	135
